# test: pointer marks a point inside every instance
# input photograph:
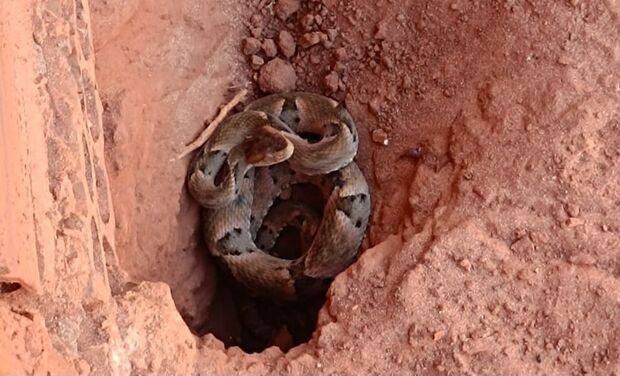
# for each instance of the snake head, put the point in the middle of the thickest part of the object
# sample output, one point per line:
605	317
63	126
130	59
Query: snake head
267	146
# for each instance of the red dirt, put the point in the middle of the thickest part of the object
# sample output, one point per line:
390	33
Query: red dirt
490	136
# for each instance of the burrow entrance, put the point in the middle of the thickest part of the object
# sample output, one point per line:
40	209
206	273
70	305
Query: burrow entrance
239	319
176	70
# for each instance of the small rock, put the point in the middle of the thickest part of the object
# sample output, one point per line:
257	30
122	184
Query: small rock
339	67
375	105
256	31
269	47
250	46
277	76
465	264
326	42
523	246
285	8
341	54
381	30
286	43
256	62
572	210
331	81
407	84
332	34
307	21
439	335
255	19
574	222
387	61
583	259
310	39
315	58
380	137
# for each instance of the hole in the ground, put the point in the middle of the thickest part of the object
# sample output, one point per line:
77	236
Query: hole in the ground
254	324
312	138
7	287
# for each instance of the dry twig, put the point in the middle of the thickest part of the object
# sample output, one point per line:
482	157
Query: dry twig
208	131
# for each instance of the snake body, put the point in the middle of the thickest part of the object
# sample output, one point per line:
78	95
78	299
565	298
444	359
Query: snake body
246	177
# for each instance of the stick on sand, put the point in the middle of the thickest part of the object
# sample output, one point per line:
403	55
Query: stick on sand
208	131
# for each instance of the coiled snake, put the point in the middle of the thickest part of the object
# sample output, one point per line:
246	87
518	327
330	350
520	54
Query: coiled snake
254	177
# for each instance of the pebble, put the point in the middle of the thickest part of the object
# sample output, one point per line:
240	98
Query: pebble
339	67
439	335
256	31
310	39
315	58
255	19
574	222
375	105
250	46
465	264
307	21
572	210
285	8
286	43
381	30
331	81
269	47
332	34
341	54
380	137
256	62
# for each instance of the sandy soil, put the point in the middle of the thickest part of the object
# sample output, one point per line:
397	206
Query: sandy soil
490	136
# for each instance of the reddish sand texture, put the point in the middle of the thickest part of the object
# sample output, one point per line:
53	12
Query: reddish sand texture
490	136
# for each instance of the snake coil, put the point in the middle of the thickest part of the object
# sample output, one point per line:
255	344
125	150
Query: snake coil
246	178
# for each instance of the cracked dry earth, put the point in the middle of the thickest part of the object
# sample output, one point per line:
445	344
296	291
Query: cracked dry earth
490	136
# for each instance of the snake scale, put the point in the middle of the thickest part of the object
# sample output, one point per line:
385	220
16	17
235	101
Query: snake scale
250	178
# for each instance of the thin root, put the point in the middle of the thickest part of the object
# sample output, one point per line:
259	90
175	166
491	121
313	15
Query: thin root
208	131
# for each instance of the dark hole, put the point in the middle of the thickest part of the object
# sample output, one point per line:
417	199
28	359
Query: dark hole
310	195
254	324
312	138
358	224
286	245
7	287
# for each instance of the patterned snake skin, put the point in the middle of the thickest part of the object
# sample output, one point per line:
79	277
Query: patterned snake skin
250	178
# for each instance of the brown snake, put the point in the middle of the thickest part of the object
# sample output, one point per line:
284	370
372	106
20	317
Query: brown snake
247	177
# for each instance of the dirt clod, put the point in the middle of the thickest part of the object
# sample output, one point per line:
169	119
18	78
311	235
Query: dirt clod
269	48
277	76
286	43
251	46
256	62
285	8
332	80
310	39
